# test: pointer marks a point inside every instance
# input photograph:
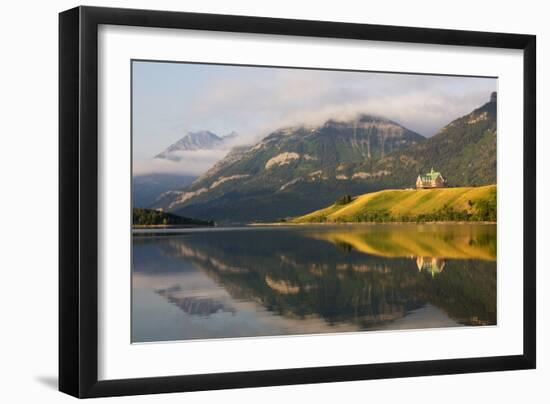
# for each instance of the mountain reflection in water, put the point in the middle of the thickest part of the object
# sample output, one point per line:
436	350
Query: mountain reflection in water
295	280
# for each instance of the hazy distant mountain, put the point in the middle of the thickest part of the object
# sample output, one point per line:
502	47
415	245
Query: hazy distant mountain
289	171
192	141
147	188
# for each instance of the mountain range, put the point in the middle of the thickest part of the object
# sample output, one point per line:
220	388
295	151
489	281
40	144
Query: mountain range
296	170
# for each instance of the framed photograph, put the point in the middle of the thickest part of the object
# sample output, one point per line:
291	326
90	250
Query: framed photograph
251	201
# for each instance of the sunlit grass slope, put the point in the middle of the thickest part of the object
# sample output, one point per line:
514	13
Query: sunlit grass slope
442	204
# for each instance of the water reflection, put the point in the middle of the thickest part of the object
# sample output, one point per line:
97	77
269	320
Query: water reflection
194	305
460	241
249	282
433	265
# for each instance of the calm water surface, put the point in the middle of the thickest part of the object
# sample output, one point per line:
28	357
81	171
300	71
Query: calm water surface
242	282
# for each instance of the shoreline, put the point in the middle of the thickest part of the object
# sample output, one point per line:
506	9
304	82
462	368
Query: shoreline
365	223
143	228
169	226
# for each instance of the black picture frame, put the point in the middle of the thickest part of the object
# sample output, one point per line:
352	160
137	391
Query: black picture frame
78	200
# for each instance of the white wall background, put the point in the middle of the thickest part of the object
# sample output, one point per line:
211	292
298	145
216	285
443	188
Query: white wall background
28	199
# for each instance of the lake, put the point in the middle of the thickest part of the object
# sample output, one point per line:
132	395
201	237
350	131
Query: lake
263	281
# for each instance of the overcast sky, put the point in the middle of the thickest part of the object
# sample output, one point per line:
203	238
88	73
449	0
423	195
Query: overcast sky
170	99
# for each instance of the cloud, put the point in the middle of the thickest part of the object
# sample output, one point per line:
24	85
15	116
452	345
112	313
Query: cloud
193	162
423	113
263	102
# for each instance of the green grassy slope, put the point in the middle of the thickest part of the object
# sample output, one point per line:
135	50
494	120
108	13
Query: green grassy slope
443	204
